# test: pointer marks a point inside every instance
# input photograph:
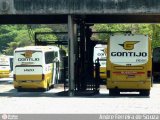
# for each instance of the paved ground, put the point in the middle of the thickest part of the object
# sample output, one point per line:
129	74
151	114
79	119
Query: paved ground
14	102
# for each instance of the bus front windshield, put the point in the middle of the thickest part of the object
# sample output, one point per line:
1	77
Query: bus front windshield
4	62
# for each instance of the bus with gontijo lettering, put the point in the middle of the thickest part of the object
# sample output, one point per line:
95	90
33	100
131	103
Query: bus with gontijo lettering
156	64
35	67
129	64
100	52
6	66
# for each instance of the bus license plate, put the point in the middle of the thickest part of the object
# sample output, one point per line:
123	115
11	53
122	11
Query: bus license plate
131	76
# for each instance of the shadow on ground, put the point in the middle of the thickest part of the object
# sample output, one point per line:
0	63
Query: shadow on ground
65	94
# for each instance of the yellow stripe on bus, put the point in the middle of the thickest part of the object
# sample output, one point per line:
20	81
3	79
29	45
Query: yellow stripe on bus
28	77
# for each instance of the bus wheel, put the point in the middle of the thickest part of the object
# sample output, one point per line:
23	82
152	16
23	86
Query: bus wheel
114	92
47	88
19	90
145	92
52	86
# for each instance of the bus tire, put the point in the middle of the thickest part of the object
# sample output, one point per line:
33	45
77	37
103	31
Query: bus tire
114	92
52	86
47	88
145	92
111	92
19	90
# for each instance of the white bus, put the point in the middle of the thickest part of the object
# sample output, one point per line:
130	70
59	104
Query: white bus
100	52
129	64
6	66
36	67
156	64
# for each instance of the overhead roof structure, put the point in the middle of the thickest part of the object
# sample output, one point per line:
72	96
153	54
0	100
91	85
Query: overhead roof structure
93	11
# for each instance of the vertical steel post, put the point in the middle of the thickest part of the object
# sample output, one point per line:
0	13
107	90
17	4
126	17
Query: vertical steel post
71	54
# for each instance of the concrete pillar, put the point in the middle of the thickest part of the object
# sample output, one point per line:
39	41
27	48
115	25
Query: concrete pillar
71	54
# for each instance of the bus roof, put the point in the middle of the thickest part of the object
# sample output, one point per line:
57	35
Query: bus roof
6	56
38	48
100	46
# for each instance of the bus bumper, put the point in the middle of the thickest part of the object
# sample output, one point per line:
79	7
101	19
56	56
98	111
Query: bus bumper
30	85
129	85
4	74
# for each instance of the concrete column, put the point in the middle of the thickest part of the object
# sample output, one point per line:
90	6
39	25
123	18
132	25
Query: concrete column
71	55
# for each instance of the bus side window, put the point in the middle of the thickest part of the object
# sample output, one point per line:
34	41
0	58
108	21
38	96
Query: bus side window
62	54
55	54
49	57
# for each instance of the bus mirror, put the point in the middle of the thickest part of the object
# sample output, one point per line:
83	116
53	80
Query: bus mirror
55	59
